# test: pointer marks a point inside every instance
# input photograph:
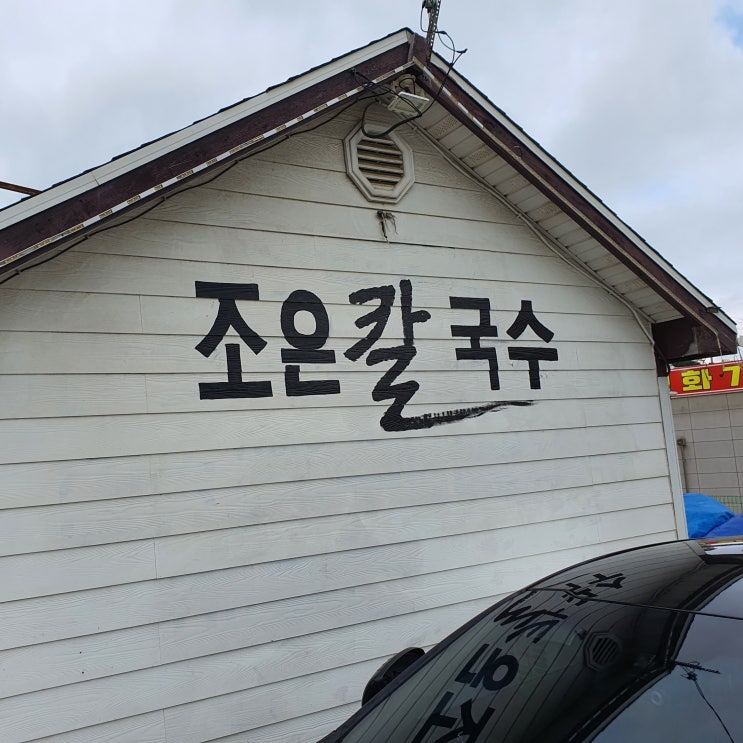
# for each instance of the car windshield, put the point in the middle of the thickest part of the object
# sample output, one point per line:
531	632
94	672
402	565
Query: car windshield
575	661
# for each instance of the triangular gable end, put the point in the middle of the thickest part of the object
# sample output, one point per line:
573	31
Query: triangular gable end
462	122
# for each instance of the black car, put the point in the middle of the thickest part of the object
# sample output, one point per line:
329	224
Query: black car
641	645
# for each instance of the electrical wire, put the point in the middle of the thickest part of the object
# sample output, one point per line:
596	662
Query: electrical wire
19	271
164	198
548	240
420	20
370	85
366	85
387	90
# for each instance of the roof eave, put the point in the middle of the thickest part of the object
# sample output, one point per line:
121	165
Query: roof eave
705	328
105	195
98	197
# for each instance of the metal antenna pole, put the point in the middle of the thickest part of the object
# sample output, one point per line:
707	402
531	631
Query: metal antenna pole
432	6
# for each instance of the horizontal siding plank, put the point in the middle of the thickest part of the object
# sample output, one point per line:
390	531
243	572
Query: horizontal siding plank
244	626
171	339
52	664
26	576
98	353
58	617
596	411
40	574
181	241
62	395
123	275
76	395
83	312
82	524
234	547
305	183
617	524
45	666
92	479
192	316
106	699
333	130
208	206
107	436
599	356
102	700
189	320
221	631
624	466
250	710
85	479
323	150
175	394
147	728
309	727
207	634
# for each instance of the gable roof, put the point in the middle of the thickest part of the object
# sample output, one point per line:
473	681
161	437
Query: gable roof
460	121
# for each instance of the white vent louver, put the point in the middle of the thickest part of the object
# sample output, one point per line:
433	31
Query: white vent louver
381	167
381	162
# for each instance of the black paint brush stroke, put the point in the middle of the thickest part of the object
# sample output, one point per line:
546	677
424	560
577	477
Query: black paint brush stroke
392	420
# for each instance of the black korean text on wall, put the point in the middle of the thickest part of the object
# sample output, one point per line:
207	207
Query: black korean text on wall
395	385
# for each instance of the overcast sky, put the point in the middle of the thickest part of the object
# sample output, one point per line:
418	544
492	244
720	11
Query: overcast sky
641	99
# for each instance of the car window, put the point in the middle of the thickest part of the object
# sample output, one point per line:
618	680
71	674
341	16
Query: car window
568	664
695	696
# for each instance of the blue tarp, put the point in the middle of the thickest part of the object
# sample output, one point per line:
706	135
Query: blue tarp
704	514
731	528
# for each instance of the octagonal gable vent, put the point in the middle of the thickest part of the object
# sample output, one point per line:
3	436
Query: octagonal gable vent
381	167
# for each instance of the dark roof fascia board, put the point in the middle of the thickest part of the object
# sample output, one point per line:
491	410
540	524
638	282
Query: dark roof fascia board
494	129
339	82
64	213
561	177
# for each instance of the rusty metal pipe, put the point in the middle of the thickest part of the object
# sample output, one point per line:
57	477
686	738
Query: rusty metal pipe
19	189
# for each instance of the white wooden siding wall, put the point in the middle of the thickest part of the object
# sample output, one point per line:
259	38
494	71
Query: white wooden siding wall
176	569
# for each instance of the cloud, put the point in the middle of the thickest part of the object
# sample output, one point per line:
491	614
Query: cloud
731	16
644	107
640	100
